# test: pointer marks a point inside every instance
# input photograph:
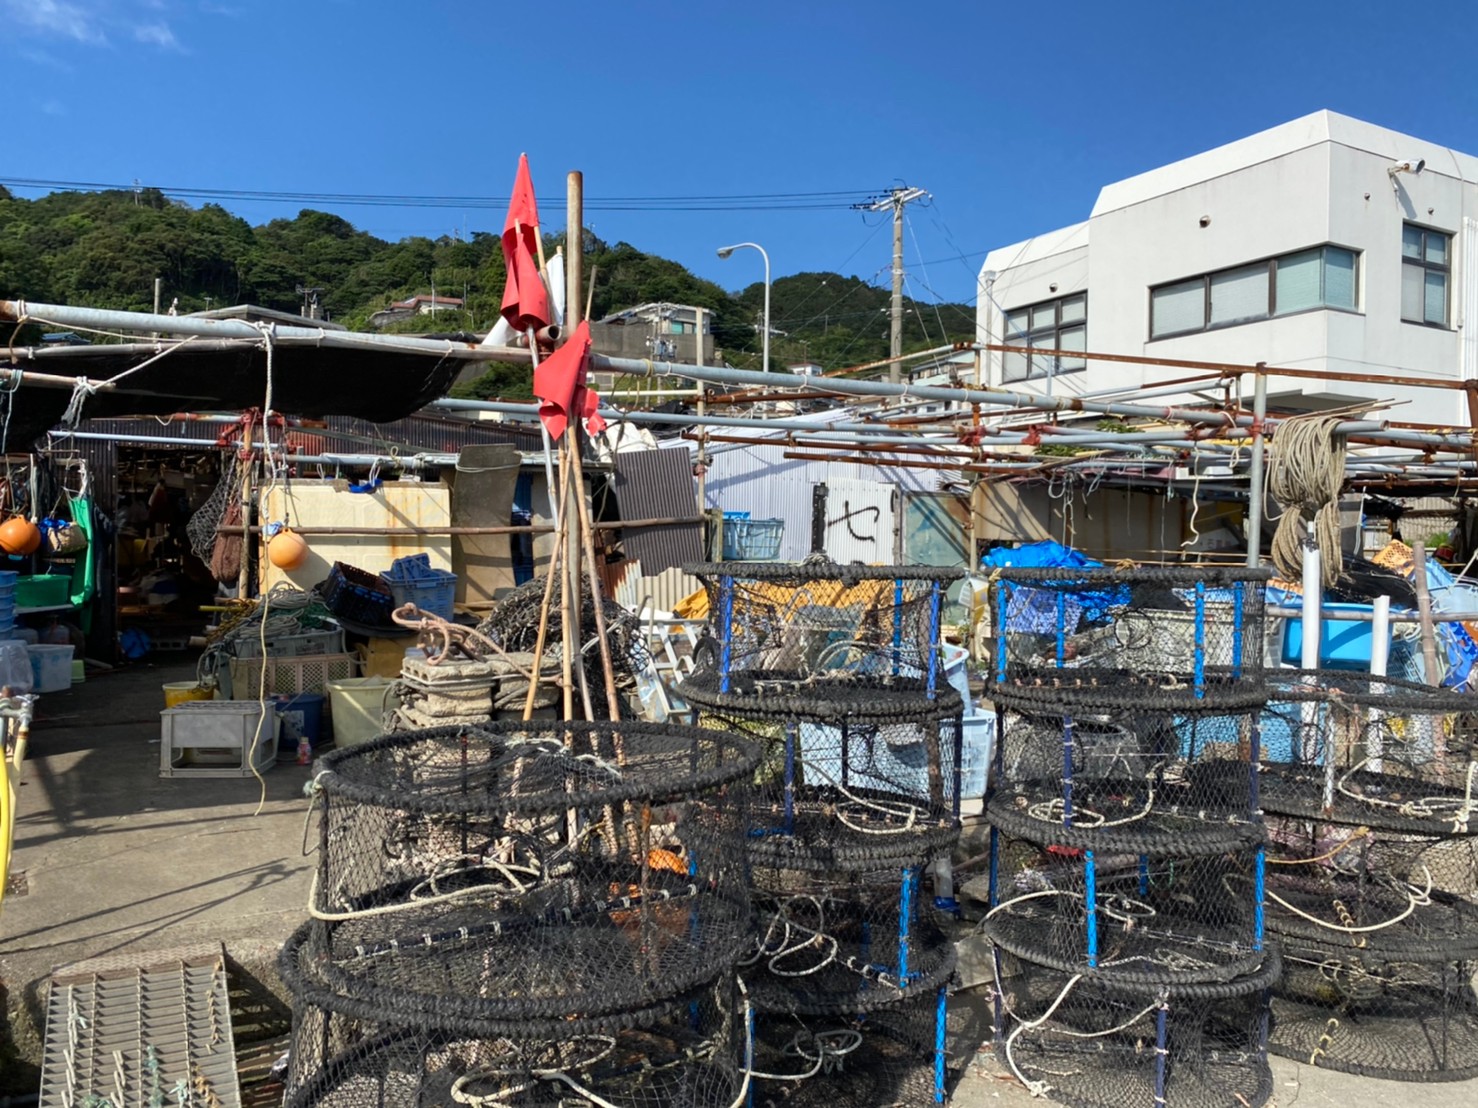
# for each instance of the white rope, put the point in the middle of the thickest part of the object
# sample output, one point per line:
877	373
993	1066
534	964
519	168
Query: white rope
1421	807
891	809
1306	471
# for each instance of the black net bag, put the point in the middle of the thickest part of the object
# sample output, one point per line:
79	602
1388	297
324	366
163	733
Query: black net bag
1372	751
1126	916
888	1056
1129	638
777	629
345	1053
1163	776
522	871
844	942
1085	1042
851	791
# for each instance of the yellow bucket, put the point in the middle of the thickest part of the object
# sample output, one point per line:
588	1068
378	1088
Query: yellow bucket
177	692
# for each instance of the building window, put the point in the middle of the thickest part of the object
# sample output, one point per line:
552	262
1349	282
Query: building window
1060	324
1425	265
1323	277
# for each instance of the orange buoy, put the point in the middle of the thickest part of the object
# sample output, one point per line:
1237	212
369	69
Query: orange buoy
19	535
287	550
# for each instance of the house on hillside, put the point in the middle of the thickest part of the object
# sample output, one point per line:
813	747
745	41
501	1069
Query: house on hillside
416	305
1325	244
662	332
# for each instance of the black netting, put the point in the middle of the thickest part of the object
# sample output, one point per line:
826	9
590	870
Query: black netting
687	1050
1131	638
891	1056
1157	775
1083	1041
1371	1013
519	870
1128	917
513	624
785	626
850	791
843	942
1374	751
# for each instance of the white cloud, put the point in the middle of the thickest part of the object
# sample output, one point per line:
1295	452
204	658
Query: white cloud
157	34
58	18
41	57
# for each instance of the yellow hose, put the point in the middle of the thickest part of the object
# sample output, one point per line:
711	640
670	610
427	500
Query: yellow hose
10	772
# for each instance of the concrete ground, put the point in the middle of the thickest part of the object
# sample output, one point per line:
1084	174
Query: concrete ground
112	859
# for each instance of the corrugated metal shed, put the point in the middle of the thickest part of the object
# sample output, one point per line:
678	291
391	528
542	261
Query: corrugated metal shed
658	484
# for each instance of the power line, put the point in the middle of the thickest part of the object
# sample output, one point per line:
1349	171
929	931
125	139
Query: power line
778	201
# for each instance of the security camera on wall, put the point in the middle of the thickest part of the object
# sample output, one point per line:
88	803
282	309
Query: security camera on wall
1408	166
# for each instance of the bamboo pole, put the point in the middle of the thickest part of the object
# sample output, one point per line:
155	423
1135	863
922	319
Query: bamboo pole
587	534
554	560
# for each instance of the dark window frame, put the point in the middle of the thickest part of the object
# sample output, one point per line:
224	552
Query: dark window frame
1444	268
1025	337
1271	262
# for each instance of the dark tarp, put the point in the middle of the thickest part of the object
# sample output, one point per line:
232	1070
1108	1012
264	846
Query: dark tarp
658	484
308	381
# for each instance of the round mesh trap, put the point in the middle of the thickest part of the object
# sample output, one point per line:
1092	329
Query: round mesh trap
890	1056
1370	751
778	627
1379	933
843	943
850	792
517	871
1129	917
1131	638
1163	777
1084	1042
688	1050
1377	1014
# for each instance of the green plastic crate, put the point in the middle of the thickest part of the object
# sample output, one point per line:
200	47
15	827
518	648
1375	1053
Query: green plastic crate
43	591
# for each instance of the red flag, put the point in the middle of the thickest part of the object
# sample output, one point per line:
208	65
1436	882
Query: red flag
525	300
559	382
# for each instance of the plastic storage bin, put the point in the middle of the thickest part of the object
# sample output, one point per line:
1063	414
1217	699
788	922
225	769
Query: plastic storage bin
43	591
358	596
358	705
305	673
413	581
302	718
217	738
15	667
329	641
752	540
51	667
979	743
1343	644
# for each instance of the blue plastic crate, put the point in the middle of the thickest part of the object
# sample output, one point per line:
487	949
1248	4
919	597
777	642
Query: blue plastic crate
1343	644
413	581
752	540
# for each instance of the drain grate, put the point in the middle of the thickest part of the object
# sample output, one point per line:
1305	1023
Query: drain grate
154	1028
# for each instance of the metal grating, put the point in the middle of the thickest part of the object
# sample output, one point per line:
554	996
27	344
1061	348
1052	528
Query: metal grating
125	1032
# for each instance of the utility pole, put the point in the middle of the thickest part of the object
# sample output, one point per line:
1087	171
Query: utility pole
895	201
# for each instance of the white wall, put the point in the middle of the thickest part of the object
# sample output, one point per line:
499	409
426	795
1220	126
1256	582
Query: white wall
1319	179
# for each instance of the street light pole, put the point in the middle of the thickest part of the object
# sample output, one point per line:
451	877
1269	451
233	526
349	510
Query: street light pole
726	251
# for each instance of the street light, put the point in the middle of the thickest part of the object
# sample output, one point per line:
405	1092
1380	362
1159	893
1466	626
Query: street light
724	252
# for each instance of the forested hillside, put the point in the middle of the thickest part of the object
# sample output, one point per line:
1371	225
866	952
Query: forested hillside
104	249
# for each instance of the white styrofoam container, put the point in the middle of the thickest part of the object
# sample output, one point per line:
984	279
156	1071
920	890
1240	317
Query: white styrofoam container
51	667
217	738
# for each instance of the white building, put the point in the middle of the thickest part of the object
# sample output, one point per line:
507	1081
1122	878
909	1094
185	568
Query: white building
1324	244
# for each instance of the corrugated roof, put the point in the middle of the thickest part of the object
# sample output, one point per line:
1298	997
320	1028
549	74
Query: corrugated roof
658	484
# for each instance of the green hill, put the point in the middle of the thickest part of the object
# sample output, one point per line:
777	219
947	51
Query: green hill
104	249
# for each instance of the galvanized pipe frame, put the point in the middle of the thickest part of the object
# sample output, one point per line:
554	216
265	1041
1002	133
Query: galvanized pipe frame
102	320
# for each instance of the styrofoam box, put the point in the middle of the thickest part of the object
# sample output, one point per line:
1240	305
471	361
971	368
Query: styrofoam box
214	738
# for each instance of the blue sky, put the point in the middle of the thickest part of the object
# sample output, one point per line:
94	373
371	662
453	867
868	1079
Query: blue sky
1012	116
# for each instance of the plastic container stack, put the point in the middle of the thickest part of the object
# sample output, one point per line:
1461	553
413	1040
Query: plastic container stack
526	914
836	672
1370	787
1127	856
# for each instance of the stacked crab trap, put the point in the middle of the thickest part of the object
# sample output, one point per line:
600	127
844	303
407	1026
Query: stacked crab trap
1126	851
527	913
834	671
1369	785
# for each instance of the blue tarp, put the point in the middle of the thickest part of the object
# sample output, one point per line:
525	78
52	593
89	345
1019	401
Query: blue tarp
1035	610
